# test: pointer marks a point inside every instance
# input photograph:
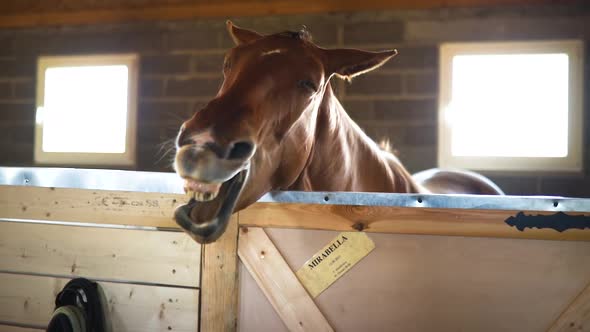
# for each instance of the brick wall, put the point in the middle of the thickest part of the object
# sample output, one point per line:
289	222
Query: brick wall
181	63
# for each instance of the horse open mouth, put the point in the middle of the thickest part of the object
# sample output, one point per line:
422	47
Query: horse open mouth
207	214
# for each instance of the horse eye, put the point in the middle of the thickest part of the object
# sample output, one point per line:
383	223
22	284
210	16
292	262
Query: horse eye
307	84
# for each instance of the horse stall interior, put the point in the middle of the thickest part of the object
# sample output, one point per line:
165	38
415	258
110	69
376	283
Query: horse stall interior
439	263
517	262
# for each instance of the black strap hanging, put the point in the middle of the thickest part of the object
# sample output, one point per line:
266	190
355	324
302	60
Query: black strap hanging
86	295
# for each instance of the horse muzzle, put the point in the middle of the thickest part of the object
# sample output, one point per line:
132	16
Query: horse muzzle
209	231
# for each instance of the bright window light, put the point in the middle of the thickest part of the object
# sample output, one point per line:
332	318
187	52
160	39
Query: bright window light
86	110
511	106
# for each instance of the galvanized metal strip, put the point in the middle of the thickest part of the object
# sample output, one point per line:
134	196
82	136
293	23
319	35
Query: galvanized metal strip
478	202
97	179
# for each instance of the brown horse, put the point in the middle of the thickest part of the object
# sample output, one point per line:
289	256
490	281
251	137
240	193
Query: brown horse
276	124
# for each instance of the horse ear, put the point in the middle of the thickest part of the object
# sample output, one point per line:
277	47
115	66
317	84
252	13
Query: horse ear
348	63
241	35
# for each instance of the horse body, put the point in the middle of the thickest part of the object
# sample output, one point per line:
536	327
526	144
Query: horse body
276	124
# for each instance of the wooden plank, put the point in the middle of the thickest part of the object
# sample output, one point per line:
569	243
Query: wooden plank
19	6
91	206
219	282
156	210
280	285
134	308
378	219
576	317
97	12
10	328
128	255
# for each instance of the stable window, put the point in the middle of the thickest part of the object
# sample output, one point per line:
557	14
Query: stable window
511	106
86	110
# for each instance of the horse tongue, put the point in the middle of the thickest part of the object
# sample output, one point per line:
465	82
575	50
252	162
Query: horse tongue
204	211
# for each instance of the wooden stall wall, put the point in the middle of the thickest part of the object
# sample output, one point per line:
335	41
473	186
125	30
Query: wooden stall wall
151	278
181	70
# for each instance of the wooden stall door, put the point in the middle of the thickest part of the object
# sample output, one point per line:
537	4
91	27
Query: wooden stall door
435	283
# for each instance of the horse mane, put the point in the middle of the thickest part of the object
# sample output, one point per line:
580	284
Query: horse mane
385	145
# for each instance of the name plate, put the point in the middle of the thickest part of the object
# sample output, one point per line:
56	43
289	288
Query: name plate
333	260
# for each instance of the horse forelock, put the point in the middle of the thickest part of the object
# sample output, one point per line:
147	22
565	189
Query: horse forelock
302	34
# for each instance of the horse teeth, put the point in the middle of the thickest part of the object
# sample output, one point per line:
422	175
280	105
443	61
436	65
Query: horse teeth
190	194
213	194
205	196
201	197
201	192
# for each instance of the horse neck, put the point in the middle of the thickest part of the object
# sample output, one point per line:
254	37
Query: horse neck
344	158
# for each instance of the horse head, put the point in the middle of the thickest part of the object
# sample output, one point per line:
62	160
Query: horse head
256	134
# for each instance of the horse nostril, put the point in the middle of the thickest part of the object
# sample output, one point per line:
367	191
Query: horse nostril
182	139
241	150
183	142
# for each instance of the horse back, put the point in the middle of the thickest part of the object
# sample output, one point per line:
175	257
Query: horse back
437	181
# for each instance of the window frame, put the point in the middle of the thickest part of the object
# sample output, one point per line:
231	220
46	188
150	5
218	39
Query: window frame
127	158
572	163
